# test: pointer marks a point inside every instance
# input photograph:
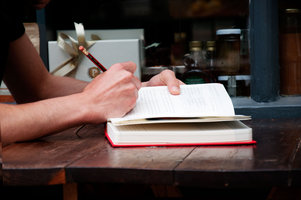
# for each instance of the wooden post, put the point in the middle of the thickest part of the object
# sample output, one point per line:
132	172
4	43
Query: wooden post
264	50
166	191
70	191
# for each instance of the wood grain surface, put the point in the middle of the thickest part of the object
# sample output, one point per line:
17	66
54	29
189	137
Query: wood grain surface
65	158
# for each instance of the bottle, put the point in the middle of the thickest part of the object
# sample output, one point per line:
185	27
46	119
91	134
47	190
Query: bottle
290	52
194	63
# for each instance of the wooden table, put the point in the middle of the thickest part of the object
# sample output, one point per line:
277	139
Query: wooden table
64	158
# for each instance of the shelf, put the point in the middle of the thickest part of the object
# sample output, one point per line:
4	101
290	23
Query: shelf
284	107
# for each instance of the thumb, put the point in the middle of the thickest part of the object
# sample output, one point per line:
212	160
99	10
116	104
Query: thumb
168	78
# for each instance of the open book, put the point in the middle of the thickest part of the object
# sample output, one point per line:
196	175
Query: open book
201	114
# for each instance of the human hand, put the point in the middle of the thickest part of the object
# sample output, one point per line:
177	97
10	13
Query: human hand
113	93
166	77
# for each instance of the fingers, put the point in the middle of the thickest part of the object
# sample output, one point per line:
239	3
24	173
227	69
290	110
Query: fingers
168	78
114	92
137	82
131	68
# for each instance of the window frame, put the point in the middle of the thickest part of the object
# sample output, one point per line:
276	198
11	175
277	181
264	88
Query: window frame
265	101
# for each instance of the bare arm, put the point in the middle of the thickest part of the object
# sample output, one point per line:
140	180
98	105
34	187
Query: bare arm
113	93
109	95
28	79
32	120
50	104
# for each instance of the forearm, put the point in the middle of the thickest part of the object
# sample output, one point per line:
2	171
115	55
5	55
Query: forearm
33	120
112	94
27	78
56	86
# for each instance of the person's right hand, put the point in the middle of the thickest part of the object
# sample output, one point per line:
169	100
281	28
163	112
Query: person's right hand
113	93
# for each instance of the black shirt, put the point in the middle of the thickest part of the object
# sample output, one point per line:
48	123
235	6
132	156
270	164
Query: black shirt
11	29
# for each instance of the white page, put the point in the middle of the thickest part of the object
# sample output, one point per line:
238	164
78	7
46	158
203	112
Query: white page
199	100
231	131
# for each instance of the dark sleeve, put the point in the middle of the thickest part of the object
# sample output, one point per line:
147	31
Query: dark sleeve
13	30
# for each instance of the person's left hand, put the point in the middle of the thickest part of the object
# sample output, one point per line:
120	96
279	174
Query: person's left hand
168	78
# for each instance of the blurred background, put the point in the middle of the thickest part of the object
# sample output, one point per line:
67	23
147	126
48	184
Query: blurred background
220	29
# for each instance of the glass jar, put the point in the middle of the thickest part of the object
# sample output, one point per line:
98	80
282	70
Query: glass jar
290	52
228	57
195	63
179	70
228	51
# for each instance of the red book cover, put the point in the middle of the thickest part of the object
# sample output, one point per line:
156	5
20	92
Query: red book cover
252	142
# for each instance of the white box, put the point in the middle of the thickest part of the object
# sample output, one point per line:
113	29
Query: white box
107	52
108	34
